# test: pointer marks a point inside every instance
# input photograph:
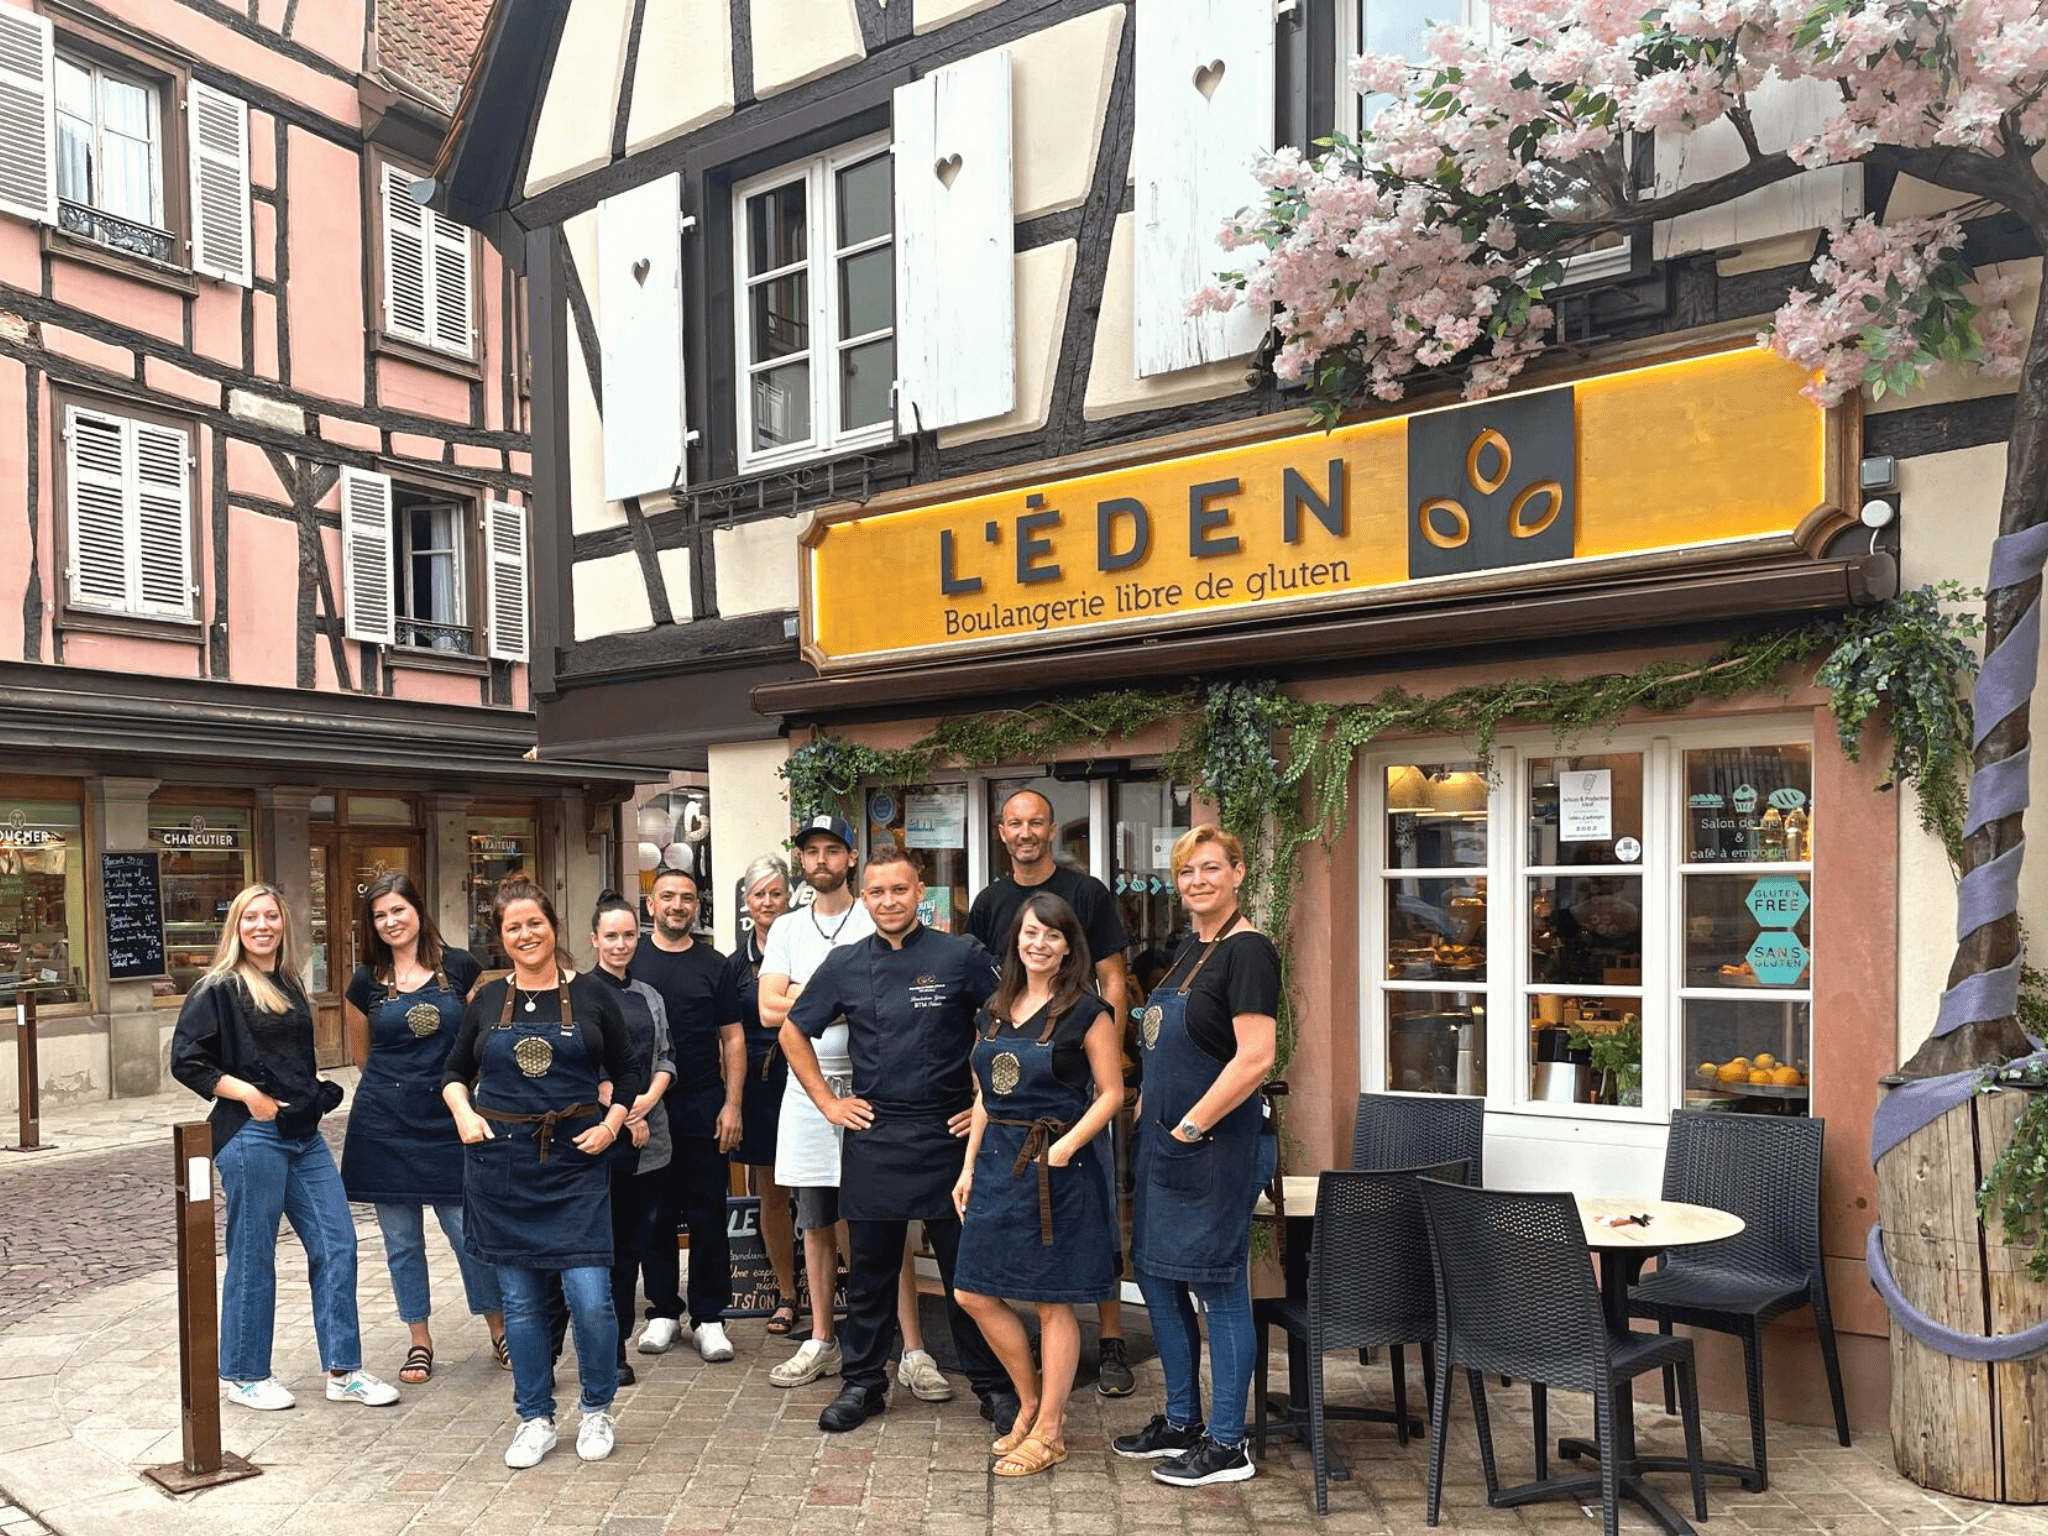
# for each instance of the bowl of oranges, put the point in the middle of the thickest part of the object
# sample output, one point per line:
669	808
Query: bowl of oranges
1761	1074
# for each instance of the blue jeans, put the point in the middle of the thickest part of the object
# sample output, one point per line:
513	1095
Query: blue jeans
405	1253
267	1177
589	1291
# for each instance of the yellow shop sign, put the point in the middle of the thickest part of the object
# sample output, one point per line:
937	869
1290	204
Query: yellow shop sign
1716	454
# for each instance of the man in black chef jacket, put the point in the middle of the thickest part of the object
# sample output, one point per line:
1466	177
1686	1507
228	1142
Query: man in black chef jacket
909	997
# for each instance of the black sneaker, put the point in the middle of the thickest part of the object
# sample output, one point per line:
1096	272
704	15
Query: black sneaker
1158	1438
627	1375
1208	1462
1113	1376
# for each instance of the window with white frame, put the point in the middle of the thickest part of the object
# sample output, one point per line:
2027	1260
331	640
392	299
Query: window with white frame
1632	922
814	267
110	171
1400	27
423	571
128	515
430	586
428	264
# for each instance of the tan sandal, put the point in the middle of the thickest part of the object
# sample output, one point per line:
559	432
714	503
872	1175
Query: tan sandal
1019	1432
1032	1455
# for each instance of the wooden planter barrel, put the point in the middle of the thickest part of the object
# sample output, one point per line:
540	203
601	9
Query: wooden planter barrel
1978	1430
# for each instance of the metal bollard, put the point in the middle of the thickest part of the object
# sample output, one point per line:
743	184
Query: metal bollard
205	1465
27	1071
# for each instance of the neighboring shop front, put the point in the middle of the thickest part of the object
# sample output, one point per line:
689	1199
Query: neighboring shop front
1691	910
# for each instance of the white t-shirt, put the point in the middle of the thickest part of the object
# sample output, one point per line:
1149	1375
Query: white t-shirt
806	1143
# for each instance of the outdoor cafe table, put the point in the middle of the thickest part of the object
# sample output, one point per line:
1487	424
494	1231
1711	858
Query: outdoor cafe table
1623	1251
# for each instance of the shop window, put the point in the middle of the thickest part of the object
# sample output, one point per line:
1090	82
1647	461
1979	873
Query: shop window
674	832
814	265
425	572
42	901
931	821
425	269
1432	898
1071	832
501	848
205	861
128	518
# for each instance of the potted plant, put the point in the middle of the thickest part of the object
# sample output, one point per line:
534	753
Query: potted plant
1616	1053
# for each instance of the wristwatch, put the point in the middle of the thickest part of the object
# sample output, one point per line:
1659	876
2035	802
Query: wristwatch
1191	1132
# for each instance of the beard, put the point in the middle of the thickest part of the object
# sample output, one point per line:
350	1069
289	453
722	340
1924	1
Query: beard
825	882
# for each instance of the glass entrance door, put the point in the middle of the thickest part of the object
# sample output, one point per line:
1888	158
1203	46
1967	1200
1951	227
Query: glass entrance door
344	864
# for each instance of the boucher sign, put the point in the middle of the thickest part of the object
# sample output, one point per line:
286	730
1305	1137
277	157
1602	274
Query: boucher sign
1719	452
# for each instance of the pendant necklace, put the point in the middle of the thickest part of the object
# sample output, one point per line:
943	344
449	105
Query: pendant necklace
833	936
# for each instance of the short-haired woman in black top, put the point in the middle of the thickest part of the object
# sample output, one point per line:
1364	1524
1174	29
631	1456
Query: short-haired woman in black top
1205	1149
402	1010
522	1083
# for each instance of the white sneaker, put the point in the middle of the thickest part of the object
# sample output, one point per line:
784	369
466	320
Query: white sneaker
594	1436
919	1375
268	1394
536	1437
361	1387
712	1343
818	1357
659	1336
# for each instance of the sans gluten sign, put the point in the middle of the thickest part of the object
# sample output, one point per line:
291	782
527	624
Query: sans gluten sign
1713	450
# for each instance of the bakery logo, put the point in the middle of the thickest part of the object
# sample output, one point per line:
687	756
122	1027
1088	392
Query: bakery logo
15	832
1706	802
196	834
927	992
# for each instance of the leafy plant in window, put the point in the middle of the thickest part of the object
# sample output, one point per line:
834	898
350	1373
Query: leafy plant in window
1617	1055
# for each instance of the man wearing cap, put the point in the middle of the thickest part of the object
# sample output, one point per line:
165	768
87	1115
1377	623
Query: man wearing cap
905	998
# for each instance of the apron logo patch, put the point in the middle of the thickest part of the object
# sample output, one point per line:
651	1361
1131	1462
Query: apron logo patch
422	1019
1003	1073
534	1056
1154	1016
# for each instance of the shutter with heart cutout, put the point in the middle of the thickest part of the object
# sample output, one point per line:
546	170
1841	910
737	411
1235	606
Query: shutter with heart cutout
1203	92
368	601
640	326
219	128
956	271
1782	113
28	122
506	581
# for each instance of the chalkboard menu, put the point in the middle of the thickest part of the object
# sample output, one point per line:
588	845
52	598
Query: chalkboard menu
753	1277
135	915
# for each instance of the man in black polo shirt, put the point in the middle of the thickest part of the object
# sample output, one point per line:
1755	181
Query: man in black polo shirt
703	1105
1027	826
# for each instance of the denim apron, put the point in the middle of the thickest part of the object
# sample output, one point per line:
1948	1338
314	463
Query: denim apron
767	1073
1191	1216
402	1147
530	1198
1033	1236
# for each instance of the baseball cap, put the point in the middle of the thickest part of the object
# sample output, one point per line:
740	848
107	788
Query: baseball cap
831	826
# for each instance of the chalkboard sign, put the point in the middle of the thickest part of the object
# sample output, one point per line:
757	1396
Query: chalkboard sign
135	915
753	1277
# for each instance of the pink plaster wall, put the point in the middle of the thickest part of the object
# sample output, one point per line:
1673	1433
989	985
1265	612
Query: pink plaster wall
262	149
21	256
217	322
323	652
263	563
127	653
324	233
434	687
229	50
14	472
138	306
263	318
263	241
334	28
404	386
414	445
250	474
491	277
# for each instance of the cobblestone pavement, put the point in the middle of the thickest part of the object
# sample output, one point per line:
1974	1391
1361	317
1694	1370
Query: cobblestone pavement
89	1396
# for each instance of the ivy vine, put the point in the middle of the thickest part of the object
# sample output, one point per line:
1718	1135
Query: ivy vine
2014	1187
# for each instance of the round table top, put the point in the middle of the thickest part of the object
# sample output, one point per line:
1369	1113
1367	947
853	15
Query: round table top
1673	1223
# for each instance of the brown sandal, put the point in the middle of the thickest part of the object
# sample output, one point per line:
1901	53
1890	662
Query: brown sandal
419	1365
1018	1433
502	1353
1032	1455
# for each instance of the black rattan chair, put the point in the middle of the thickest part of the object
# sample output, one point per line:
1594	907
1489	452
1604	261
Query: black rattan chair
1765	1169
1399	1130
1516	1295
1368	1283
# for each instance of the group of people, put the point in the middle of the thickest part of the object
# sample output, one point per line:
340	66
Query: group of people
869	1071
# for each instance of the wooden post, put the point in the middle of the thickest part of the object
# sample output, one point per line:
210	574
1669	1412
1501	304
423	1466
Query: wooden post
28	1072
205	1464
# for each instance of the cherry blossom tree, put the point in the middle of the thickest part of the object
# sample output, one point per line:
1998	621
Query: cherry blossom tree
1435	240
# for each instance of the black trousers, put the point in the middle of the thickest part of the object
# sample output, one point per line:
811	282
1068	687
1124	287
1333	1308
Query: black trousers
868	1332
636	1219
693	1197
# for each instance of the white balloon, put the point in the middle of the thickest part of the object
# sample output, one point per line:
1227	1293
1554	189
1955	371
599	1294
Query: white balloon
649	856
653	823
680	856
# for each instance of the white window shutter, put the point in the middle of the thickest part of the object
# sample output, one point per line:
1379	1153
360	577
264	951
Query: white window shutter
640	326
453	285
1782	113
218	126
505	590
1204	116
956	269
28	120
163	520
98	485
406	259
367	557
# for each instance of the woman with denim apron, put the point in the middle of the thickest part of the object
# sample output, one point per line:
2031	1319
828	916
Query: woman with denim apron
1205	1150
245	1040
523	1086
402	1011
1037	1220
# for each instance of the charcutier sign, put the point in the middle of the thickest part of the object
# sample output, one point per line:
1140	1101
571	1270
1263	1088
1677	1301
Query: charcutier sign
1718	454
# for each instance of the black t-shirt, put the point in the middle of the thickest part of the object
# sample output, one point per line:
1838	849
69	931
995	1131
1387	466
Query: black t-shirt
1069	1037
459	966
599	1020
996	908
688	983
1242	976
